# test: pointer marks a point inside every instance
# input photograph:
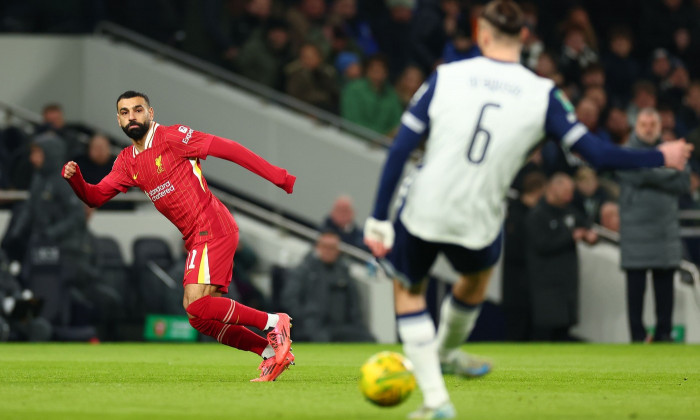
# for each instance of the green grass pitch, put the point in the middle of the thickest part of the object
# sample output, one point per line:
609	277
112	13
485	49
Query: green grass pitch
210	381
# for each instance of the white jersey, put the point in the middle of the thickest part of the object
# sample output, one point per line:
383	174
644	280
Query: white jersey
485	117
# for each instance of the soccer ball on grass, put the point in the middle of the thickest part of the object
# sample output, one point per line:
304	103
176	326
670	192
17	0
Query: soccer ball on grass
386	379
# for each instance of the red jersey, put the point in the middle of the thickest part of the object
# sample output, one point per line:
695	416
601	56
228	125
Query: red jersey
168	170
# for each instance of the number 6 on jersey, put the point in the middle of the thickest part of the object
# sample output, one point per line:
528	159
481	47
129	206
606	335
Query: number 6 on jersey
486	136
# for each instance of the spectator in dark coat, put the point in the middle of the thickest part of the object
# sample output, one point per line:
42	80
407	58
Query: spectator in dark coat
430	32
265	54
553	228
19	311
516	281
576	55
621	70
589	195
55	121
323	297
341	221
311	80
390	21
52	219
306	23
649	230
98	161
53	212
690	112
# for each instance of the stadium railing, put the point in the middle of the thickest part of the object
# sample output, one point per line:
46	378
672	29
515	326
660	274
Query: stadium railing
120	33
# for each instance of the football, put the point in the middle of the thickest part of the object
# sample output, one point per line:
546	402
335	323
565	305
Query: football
386	379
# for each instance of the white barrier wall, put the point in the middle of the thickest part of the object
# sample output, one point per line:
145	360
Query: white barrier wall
603	305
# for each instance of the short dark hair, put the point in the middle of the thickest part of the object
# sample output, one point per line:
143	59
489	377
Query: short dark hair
644	86
133	94
534	181
377	58
594	68
504	15
53	106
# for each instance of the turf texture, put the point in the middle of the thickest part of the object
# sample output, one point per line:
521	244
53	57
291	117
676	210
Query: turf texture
210	381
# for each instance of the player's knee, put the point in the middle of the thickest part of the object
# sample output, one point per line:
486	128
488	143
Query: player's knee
195	305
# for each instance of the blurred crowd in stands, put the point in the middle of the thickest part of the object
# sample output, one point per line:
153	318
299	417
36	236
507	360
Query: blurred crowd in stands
363	60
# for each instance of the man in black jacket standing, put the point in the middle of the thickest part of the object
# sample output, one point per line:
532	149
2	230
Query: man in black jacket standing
517	307
649	230
554	227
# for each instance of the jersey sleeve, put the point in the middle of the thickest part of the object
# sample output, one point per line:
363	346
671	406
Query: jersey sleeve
416	117
562	124
188	143
414	123
118	177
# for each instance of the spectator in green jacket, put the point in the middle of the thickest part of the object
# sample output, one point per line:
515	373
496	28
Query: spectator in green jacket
371	101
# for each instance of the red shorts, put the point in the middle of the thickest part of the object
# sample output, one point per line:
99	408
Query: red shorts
211	262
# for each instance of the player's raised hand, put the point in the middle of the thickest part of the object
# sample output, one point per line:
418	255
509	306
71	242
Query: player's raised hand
676	153
379	236
69	169
288	184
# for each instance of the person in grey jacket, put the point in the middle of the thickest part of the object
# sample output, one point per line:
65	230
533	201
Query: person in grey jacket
52	212
322	295
649	230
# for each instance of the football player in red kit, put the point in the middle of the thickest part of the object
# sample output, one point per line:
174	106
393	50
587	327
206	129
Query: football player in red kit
163	162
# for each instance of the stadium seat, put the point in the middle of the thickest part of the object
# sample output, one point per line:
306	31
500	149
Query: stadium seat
46	277
157	291
111	263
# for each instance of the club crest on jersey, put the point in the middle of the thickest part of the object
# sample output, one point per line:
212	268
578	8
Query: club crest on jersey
136	175
159	164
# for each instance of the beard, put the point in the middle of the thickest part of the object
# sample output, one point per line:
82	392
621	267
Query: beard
137	132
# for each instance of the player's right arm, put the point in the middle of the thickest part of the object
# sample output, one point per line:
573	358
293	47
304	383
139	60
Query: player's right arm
379	232
561	123
92	195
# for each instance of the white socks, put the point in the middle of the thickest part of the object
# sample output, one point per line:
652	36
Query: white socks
456	323
418	335
271	321
268	352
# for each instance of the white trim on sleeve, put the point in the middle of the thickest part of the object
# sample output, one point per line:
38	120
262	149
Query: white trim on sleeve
573	135
412	122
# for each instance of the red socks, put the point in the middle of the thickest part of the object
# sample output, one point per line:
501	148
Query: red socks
235	336
227	311
224	319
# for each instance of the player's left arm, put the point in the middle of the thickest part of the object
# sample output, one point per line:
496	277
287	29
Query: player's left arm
196	144
562	124
379	233
241	155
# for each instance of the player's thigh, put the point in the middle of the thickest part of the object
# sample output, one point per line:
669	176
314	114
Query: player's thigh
472	261
475	266
211	263
412	256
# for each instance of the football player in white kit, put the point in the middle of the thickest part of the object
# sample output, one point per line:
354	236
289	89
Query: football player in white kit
484	116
